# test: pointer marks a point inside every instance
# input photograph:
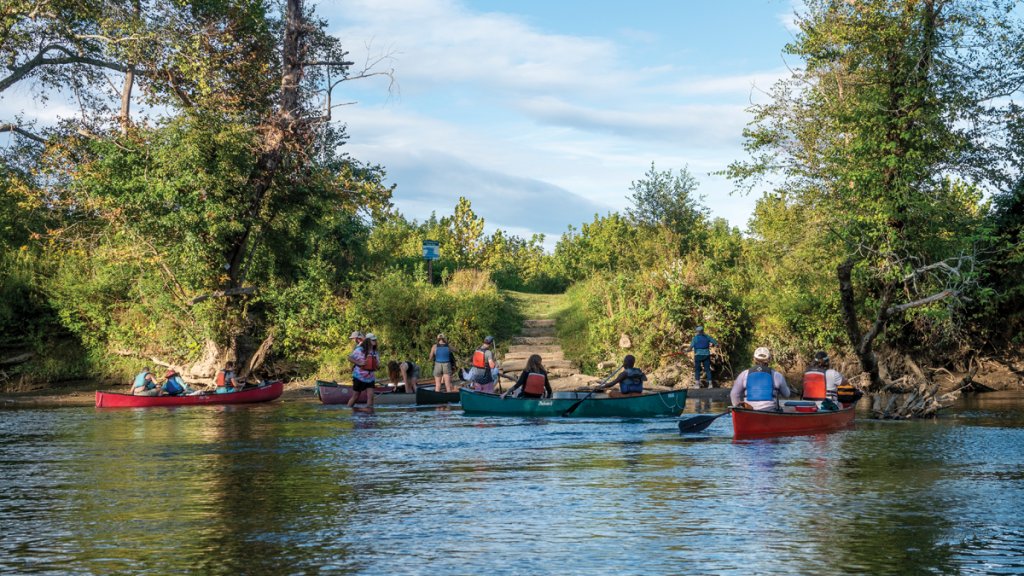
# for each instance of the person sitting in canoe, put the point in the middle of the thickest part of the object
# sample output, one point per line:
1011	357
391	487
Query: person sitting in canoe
173	384
485	370
405	374
443	358
759	386
226	380
630	380
533	380
821	382
145	384
365	362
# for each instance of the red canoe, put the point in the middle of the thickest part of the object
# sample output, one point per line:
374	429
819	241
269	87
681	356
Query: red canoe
757	423
247	396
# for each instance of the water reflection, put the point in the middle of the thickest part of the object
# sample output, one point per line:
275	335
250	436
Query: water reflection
301	488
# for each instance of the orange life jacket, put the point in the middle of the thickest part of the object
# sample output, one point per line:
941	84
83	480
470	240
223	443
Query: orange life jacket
480	359
371	363
220	378
534	384
814	385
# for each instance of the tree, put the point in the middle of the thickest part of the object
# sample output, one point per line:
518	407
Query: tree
888	129
463	240
170	228
667	200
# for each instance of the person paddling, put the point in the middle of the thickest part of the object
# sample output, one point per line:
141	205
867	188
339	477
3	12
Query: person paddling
630	380
759	386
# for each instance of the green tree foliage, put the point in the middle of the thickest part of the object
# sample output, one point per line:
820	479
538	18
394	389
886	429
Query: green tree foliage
884	131
165	232
661	199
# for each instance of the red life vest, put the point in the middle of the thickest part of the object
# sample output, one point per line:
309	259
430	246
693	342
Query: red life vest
220	378
480	359
534	385
371	363
814	384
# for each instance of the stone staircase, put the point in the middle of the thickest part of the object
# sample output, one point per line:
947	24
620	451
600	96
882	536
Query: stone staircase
538	337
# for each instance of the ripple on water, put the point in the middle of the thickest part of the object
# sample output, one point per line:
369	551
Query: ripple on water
299	487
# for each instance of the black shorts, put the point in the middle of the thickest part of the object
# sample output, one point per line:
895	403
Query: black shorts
358	385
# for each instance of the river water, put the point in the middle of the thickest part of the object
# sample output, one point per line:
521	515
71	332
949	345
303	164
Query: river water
300	488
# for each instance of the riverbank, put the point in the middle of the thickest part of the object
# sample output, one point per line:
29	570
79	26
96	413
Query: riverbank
84	394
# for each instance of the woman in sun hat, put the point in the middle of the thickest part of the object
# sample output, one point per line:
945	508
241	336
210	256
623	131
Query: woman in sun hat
365	362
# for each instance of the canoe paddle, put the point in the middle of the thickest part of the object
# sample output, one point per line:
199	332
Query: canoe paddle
573	408
699	422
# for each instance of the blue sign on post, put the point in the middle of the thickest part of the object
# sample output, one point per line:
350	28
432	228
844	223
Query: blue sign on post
431	250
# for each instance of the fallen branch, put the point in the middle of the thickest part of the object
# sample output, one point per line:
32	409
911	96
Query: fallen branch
222	294
20	358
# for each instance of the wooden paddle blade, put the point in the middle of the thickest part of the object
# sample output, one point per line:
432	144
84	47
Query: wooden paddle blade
698	423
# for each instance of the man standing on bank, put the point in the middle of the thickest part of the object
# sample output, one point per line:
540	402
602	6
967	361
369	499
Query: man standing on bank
701	346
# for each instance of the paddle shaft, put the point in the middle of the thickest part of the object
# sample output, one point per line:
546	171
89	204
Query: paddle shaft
573	408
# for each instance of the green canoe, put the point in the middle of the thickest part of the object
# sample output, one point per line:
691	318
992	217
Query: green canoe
661	404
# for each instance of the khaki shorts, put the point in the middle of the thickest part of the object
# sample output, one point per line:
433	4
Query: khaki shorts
442	369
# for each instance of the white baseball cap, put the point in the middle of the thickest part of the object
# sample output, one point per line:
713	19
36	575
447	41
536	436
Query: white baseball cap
762	353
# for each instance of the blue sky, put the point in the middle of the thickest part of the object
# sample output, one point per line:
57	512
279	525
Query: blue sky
543	112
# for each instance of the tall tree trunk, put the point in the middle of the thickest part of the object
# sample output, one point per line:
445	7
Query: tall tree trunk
286	129
126	100
862	345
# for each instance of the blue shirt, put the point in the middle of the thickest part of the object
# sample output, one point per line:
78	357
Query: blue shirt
702	349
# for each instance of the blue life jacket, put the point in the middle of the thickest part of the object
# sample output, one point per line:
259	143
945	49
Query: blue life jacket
760	384
701	342
140	381
173	386
442	354
633	382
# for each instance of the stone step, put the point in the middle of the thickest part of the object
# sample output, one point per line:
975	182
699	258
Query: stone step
535	340
535	348
539	322
526	352
539	331
518	365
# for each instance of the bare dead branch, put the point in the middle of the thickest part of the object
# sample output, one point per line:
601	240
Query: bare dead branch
223	294
892	310
22	132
